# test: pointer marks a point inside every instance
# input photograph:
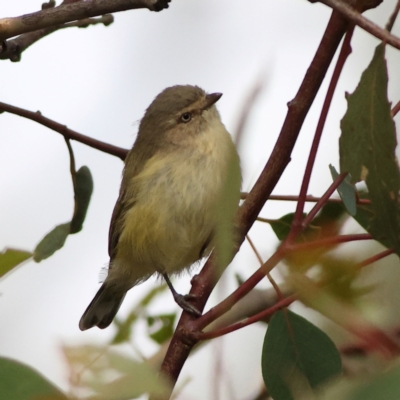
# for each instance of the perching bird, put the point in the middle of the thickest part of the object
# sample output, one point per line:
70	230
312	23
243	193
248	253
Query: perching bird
179	193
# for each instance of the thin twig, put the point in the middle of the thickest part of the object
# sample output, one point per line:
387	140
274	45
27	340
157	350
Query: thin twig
270	278
66	132
355	16
375	258
395	109
50	17
309	198
323	200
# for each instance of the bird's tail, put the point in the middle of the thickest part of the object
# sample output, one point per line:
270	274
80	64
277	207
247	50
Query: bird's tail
103	308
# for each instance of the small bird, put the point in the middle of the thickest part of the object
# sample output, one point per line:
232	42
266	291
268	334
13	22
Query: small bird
179	194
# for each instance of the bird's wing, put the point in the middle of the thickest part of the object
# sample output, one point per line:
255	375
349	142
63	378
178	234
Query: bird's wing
134	163
116	225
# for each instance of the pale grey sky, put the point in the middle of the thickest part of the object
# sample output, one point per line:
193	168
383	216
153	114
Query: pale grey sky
99	81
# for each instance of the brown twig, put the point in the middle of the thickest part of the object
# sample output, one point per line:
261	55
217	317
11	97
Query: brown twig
323	200
202	285
68	133
309	198
355	16
68	12
375	258
12	49
395	109
270	278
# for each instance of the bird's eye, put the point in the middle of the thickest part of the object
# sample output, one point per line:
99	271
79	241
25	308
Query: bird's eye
186	117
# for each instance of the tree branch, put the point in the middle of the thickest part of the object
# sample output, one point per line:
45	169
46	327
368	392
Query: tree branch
12	49
67	133
355	16
68	12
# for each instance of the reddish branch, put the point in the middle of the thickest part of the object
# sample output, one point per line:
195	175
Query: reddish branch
395	109
355	16
285	302
67	133
297	224
375	258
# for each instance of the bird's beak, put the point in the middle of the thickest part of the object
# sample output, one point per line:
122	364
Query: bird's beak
211	99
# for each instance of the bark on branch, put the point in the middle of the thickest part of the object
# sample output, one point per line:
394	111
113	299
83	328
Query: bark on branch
50	17
355	16
12	49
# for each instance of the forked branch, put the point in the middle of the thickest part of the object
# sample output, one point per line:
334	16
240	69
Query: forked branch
50	17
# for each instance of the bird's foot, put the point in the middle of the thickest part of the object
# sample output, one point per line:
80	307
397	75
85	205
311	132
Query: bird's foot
182	300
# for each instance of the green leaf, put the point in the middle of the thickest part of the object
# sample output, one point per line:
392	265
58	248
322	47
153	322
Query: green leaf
281	226
83	193
367	149
161	327
52	242
20	382
347	192
296	357
364	216
10	258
